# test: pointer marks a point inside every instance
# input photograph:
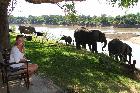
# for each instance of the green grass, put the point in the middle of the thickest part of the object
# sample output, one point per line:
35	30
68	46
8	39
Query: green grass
80	70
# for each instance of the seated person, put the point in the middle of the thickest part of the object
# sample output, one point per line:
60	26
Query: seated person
17	55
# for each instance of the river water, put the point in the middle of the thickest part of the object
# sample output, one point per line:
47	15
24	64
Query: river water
56	32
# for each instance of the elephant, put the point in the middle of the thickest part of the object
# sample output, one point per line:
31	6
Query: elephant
28	38
39	33
119	49
67	39
26	30
84	36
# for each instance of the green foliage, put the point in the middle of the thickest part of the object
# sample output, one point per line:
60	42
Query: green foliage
71	18
131	20
13	28
123	3
70	13
80	70
69	8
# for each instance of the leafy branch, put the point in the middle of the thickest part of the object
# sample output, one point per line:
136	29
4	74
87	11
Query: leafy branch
70	12
123	3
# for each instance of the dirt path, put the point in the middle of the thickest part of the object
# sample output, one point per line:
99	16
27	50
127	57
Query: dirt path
40	85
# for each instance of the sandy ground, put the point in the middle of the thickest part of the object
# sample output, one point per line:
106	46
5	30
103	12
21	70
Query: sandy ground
125	36
135	40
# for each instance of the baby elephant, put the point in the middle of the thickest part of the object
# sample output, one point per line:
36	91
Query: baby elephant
120	49
67	39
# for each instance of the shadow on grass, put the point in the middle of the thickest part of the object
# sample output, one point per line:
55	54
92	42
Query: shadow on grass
81	70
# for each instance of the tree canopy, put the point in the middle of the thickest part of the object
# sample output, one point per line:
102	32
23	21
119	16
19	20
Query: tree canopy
123	3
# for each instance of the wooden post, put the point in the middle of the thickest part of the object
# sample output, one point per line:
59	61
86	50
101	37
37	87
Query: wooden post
133	65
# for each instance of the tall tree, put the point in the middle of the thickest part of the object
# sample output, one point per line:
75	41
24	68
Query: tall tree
4	26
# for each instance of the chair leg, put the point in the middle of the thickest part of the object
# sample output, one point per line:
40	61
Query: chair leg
3	81
27	82
8	91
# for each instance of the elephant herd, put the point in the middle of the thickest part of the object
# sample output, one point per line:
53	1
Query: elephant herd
83	36
116	47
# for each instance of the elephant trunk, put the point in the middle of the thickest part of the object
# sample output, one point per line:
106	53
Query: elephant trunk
105	43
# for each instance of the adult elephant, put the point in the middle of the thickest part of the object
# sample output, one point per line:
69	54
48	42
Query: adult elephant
26	30
84	36
119	49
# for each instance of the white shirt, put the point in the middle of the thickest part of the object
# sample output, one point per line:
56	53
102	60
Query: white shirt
15	56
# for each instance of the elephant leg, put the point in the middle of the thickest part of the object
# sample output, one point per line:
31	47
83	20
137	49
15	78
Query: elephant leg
84	46
94	47
121	57
78	46
110	54
116	57
89	45
125	58
129	61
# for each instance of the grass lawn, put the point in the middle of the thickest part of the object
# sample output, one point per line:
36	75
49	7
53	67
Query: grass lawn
80	70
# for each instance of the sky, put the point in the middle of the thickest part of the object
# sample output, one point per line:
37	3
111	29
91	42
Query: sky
88	7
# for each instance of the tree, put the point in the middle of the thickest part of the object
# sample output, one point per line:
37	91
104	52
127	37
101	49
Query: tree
4	26
70	12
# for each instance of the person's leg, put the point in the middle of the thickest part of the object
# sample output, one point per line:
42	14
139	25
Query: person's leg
32	68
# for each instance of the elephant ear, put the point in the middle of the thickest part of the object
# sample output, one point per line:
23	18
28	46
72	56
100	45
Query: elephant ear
124	48
102	37
128	49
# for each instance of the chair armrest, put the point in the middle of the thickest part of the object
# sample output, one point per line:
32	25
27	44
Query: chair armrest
8	64
20	68
26	61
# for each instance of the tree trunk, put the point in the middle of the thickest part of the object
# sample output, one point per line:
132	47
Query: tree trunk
4	27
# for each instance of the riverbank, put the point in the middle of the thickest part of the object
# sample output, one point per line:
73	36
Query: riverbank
78	70
121	36
134	38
